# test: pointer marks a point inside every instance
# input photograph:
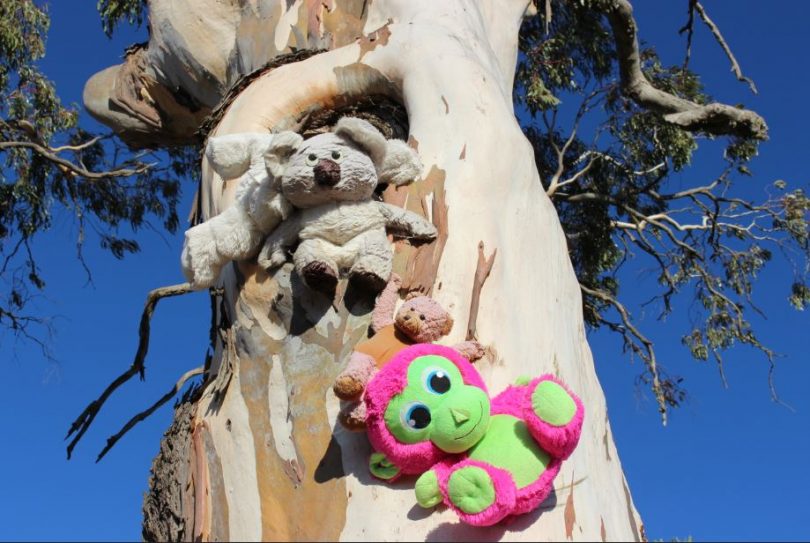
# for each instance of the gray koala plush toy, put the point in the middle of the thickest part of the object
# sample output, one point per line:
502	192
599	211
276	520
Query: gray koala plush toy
330	180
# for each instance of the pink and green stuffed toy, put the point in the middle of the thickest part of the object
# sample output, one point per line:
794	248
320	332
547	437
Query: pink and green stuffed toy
429	414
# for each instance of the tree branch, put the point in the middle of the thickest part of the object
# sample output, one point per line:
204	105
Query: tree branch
76	169
112	440
714	118
85	419
735	66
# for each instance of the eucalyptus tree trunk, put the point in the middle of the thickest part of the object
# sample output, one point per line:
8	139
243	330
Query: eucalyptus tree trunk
258	454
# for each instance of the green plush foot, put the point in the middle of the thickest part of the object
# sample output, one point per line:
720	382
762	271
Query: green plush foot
523	380
427	490
553	404
471	489
381	467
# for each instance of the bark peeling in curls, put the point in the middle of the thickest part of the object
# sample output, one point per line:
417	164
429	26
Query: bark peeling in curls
377	38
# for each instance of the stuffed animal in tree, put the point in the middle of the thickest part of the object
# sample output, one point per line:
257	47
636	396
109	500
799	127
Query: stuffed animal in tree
330	178
420	319
428	413
237	233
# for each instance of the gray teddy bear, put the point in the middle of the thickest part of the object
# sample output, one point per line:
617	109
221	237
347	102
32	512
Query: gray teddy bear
330	180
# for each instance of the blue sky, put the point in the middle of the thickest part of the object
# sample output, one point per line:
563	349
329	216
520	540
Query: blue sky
731	464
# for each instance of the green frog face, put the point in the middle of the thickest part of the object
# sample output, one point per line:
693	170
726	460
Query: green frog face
437	406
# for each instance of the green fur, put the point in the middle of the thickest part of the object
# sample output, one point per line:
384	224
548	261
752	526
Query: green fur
428	493
471	489
458	418
508	445
553	404
381	467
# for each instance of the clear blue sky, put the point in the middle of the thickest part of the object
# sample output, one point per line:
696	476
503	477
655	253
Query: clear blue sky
730	465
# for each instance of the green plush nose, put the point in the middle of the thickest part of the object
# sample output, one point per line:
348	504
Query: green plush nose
460	416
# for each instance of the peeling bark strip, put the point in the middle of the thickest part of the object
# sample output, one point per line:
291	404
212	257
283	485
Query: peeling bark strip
482	270
602	531
419	265
570	513
201	526
631	514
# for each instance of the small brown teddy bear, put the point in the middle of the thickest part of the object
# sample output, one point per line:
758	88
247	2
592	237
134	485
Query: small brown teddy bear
420	320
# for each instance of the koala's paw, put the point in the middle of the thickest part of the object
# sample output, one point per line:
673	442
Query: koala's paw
200	259
320	276
367	282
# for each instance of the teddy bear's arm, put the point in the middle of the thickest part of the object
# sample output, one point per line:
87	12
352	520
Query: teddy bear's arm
406	223
272	254
383	314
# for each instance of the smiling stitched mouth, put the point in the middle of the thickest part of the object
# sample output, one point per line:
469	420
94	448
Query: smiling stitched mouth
474	426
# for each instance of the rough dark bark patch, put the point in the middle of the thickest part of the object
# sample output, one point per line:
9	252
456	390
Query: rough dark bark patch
163	503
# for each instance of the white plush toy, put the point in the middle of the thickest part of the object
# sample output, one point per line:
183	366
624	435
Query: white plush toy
237	232
330	178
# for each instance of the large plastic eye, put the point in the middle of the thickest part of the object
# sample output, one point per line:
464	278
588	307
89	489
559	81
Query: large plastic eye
416	416
436	381
337	156
312	159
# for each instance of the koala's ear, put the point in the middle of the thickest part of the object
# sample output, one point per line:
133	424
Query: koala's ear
363	134
283	145
401	164
448	325
231	155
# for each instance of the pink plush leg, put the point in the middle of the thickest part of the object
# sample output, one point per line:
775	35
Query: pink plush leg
557	437
351	382
471	350
352	416
505	492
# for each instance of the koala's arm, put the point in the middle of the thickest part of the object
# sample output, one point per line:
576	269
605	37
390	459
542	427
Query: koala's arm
285	235
383	314
406	223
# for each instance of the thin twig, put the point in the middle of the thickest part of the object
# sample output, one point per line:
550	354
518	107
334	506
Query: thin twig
112	440
735	66
85	419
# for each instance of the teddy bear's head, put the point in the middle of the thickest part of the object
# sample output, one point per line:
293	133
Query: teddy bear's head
426	403
422	319
344	165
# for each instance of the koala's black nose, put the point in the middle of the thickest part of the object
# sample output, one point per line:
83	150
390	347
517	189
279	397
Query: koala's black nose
327	173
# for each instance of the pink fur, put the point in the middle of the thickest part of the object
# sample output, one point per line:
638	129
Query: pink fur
505	491
559	441
516	401
383	314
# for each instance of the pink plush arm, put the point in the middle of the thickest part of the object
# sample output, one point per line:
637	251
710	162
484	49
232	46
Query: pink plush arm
383	314
471	350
